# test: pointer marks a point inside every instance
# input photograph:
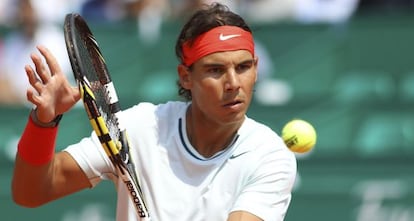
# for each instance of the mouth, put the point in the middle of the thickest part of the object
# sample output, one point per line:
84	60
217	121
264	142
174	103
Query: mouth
235	103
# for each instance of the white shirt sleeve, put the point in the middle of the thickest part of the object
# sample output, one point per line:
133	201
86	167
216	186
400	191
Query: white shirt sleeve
268	192
91	157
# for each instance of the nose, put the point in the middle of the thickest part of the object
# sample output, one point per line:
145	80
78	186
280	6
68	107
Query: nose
232	81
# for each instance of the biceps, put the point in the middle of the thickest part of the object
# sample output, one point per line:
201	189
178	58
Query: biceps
68	177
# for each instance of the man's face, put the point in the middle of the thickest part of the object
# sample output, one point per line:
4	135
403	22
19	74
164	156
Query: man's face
222	84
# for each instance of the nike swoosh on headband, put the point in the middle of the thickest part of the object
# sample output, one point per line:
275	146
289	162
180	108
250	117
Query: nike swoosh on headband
227	37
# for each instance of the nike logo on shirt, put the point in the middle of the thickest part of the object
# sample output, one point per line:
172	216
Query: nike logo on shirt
238	155
227	37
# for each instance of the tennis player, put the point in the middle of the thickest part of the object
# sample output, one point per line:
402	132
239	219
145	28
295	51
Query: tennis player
199	159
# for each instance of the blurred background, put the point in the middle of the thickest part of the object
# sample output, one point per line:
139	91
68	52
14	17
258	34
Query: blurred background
346	66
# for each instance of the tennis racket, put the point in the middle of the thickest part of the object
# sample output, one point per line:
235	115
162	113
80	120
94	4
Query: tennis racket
101	103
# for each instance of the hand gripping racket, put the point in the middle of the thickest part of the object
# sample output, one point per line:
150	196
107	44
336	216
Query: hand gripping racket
101	103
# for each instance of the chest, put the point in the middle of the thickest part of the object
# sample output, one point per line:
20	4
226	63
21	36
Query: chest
178	187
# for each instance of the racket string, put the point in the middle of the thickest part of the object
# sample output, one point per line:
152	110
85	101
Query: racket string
97	74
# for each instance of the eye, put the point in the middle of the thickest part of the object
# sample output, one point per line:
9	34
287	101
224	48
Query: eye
243	67
215	70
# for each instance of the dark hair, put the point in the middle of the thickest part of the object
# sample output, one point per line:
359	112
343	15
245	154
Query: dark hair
203	20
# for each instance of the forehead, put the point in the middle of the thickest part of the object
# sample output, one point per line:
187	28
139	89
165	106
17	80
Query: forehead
225	57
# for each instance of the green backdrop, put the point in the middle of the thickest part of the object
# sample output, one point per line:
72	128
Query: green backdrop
354	82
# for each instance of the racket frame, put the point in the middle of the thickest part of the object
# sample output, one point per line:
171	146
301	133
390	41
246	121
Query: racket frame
116	150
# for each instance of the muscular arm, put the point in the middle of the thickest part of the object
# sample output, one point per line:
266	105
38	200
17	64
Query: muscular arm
44	179
36	185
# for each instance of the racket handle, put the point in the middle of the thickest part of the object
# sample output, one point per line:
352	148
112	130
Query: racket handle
136	196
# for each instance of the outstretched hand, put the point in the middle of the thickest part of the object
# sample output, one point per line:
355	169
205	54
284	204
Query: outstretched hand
52	94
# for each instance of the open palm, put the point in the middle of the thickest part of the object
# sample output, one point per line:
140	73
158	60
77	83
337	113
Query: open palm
52	94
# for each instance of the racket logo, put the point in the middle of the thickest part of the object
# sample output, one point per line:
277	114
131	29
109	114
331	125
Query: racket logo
136	199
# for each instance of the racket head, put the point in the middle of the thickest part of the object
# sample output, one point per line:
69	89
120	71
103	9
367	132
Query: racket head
90	71
83	50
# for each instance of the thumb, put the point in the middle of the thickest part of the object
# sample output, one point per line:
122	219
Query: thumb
76	93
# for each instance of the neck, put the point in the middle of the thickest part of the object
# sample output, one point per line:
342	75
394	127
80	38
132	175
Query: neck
208	137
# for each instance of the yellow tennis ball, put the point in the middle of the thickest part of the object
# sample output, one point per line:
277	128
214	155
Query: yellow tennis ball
299	136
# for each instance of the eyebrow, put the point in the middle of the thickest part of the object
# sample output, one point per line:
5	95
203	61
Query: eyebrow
248	61
215	64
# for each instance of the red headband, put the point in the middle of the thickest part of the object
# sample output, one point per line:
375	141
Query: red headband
221	38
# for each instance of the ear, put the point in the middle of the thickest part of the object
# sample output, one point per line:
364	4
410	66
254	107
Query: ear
256	66
184	76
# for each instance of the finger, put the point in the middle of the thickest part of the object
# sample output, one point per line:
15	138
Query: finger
75	91
41	70
50	60
31	75
33	80
33	98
